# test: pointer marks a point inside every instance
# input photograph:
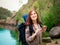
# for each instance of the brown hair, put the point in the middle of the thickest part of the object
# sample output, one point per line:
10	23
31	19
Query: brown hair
29	21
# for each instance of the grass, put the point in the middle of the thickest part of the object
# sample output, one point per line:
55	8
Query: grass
46	34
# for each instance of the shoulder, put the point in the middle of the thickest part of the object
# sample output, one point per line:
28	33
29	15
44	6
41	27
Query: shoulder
40	24
27	27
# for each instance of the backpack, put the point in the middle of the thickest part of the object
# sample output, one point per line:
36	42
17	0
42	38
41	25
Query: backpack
21	29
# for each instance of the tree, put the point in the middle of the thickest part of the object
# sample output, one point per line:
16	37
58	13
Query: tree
56	5
4	13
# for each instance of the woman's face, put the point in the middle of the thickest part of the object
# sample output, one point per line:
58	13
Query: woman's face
33	15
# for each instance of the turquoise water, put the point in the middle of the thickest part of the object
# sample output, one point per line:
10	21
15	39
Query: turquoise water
5	38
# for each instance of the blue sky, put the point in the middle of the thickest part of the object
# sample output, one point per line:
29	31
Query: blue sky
12	5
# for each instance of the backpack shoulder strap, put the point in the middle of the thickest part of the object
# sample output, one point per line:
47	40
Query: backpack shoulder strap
40	24
31	29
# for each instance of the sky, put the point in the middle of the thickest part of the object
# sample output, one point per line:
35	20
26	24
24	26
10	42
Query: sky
12	5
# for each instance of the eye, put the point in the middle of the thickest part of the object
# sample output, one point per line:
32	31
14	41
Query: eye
31	14
34	13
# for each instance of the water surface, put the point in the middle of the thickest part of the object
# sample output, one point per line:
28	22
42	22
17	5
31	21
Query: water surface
6	38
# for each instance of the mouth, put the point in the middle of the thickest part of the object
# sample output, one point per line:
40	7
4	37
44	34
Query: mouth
34	16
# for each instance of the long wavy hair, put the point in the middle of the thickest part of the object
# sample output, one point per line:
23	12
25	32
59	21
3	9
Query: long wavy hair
29	21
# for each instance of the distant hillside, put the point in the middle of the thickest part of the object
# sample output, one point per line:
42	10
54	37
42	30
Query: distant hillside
4	13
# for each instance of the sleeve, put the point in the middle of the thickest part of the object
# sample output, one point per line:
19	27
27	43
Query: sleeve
27	35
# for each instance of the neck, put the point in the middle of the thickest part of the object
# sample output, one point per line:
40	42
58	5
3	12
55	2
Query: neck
34	22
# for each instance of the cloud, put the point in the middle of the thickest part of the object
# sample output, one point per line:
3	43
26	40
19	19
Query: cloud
12	5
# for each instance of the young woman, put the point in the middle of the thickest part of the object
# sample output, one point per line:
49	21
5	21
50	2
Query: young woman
34	36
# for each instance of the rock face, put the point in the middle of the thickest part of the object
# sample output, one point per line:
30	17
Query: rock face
55	32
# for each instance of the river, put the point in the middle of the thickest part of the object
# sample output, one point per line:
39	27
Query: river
6	37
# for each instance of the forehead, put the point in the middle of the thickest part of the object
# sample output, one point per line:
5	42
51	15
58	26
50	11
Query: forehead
33	12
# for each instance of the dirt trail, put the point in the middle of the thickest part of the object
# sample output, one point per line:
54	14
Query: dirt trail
54	42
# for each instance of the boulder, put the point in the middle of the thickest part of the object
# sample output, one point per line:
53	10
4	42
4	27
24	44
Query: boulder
55	32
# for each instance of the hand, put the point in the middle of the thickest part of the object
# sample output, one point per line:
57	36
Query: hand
44	28
38	31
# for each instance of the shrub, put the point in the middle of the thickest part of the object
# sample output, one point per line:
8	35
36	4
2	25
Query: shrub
50	20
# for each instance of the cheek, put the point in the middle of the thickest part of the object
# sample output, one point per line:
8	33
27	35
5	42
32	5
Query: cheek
33	17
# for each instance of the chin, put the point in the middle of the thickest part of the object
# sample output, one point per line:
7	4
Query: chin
34	19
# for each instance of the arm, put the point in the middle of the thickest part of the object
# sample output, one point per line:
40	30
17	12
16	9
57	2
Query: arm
27	34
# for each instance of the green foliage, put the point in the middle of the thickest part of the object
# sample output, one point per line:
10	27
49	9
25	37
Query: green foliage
18	15
46	34
48	13
42	4
21	20
44	7
50	20
56	5
4	13
1	26
14	34
36	5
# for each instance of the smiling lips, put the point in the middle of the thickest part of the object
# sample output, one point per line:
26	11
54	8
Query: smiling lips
34	16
